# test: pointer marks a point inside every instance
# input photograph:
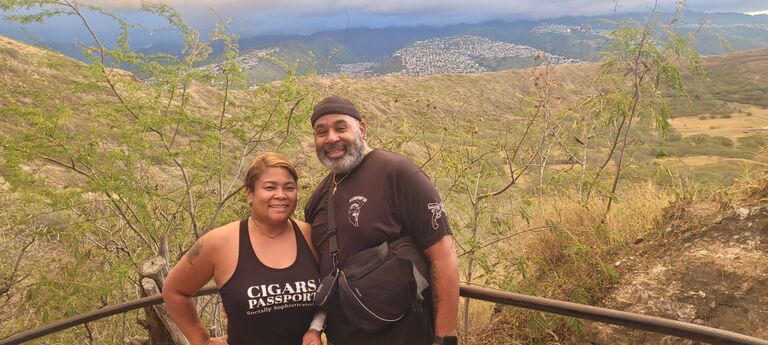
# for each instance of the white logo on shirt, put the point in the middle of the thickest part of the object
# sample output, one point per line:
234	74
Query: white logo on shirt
356	204
267	298
437	212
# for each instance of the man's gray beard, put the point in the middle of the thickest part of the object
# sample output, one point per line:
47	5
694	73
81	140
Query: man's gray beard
352	158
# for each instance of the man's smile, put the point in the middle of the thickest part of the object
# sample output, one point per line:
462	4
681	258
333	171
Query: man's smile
336	151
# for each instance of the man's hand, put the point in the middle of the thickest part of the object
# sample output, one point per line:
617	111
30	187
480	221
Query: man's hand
311	337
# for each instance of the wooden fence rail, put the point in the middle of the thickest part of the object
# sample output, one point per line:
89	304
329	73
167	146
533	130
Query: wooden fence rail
649	323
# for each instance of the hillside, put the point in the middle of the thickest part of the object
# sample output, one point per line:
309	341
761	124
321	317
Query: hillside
707	267
74	148
383	50
730	80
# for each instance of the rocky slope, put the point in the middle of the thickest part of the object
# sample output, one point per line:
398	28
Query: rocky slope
708	268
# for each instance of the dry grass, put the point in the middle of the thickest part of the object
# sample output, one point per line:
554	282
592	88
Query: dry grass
740	124
574	262
704	161
751	185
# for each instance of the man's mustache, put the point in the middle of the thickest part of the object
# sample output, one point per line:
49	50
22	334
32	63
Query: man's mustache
336	146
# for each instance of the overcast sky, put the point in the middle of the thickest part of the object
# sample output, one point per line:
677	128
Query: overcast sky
528	8
304	16
256	17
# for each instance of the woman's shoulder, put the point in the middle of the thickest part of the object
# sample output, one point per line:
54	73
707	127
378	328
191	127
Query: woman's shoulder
222	234
305	228
306	231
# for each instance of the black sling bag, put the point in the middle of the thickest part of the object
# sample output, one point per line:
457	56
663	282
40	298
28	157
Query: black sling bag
377	286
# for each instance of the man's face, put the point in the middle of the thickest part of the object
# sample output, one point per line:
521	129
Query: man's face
339	142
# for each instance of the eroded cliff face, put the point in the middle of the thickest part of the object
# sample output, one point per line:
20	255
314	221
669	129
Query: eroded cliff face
709	268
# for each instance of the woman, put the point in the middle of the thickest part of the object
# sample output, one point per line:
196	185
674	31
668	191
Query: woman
263	265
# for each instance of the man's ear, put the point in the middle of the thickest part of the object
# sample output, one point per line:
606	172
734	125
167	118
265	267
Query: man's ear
362	129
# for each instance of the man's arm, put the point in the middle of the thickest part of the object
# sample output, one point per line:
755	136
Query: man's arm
445	284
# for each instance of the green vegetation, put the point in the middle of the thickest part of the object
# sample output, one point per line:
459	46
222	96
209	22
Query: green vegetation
109	168
496	64
647	65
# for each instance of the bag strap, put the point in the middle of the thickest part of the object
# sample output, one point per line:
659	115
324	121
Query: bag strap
333	245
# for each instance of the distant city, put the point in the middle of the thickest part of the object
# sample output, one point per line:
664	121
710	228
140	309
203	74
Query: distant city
446	55
459	54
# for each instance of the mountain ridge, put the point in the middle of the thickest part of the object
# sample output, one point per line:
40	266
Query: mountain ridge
325	52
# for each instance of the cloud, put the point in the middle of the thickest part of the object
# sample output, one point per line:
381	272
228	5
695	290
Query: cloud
529	8
115	4
306	16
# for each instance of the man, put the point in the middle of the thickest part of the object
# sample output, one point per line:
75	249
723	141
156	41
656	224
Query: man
380	196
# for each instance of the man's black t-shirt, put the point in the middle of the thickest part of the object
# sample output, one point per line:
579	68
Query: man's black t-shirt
382	199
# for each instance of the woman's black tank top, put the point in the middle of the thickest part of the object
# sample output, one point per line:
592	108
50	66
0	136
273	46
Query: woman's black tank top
267	305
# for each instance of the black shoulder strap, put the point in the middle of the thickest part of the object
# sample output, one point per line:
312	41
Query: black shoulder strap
333	245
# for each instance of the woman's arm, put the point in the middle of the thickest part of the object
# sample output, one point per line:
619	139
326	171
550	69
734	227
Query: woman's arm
189	275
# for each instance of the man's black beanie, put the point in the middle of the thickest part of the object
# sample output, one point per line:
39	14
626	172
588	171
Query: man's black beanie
334	105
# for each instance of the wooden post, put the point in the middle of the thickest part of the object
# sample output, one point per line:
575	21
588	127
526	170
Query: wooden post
161	312
158	335
155	268
162	329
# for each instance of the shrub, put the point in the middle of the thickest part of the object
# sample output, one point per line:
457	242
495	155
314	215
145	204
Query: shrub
697	139
673	136
727	142
722	109
755	140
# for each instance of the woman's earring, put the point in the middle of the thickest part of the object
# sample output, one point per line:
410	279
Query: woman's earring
250	203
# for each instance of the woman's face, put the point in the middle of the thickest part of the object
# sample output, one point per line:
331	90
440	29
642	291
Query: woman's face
274	196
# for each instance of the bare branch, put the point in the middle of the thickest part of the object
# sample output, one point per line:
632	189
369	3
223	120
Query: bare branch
503	238
221	208
288	124
190	198
10	281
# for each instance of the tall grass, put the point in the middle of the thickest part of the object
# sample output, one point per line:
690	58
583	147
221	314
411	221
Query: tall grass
575	260
752	184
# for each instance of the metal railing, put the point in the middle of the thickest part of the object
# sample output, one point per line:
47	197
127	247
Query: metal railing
649	323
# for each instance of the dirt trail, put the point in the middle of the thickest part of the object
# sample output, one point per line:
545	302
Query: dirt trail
707	268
